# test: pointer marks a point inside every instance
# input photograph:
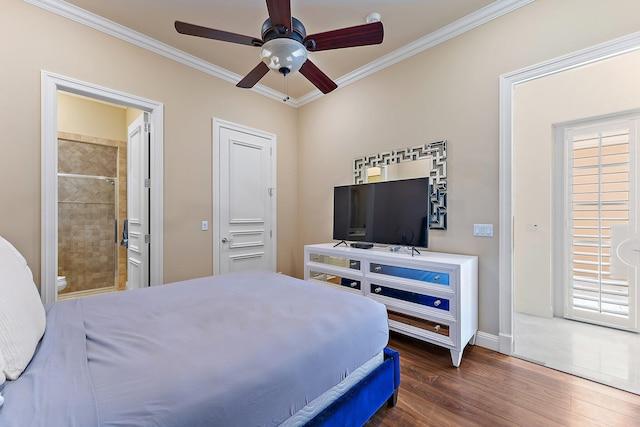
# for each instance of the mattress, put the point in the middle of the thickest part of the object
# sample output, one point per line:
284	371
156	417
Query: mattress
321	402
250	348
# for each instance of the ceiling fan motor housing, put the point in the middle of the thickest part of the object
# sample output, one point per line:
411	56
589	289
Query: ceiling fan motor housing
283	50
270	32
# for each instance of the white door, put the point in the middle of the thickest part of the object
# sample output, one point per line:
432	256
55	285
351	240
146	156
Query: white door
138	184
601	214
245	202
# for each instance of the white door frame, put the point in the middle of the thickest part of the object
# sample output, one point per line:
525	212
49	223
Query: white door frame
50	84
508	83
217	238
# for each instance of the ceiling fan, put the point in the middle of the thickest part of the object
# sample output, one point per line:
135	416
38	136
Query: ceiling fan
284	44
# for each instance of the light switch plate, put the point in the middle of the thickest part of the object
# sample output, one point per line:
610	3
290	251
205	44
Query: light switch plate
483	230
205	225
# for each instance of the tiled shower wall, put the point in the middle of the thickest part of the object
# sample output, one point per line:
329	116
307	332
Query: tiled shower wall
88	249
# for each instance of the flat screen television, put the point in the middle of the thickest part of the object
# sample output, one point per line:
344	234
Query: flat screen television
389	212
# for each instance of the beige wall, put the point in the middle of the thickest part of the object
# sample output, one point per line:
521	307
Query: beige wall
191	98
447	92
85	117
609	86
130	115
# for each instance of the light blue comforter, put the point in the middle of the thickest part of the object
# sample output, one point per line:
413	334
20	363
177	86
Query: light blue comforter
243	349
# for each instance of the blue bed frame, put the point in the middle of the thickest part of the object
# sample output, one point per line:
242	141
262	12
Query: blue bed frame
364	399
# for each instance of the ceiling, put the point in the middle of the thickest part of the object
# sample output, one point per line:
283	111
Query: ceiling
404	22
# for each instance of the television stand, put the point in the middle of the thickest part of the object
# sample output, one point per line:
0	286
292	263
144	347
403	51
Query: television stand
432	296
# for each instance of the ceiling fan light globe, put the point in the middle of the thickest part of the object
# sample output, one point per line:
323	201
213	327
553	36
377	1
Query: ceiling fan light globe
283	54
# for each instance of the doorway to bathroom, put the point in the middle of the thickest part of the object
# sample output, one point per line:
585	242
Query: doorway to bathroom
92	195
88	187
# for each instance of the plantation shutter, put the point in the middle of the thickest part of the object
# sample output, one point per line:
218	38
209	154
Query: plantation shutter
600	182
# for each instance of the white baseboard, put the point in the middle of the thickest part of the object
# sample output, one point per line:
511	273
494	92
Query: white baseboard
492	342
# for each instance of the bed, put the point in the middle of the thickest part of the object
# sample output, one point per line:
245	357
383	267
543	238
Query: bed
244	349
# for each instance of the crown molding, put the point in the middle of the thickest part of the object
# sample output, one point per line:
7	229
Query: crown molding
467	23
121	32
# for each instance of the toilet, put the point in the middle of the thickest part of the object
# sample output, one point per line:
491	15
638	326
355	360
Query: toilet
61	283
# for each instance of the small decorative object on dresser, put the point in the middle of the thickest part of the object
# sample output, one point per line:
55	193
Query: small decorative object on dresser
432	296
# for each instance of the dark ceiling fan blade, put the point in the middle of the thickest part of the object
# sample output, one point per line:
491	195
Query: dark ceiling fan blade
280	13
317	77
254	76
360	35
210	33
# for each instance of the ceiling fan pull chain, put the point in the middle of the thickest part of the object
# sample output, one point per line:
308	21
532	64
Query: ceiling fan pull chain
286	89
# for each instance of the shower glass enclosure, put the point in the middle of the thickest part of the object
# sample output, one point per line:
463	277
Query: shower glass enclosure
87	218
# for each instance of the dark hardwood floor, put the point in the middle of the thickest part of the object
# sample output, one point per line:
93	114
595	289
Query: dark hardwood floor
491	389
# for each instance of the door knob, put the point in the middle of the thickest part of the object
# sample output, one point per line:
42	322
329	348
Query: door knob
225	240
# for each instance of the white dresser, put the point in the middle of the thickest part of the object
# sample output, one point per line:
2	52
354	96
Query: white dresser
431	296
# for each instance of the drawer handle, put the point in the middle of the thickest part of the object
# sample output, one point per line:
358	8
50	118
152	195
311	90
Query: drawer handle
437	303
377	268
377	290
436	328
436	278
354	284
354	263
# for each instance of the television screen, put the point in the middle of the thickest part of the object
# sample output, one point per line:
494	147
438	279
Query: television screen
389	212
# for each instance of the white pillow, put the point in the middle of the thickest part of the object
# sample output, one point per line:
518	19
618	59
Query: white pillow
22	315
2	365
2	377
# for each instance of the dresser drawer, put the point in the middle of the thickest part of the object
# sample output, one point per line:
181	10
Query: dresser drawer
414	297
334	279
337	261
428	326
411	273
